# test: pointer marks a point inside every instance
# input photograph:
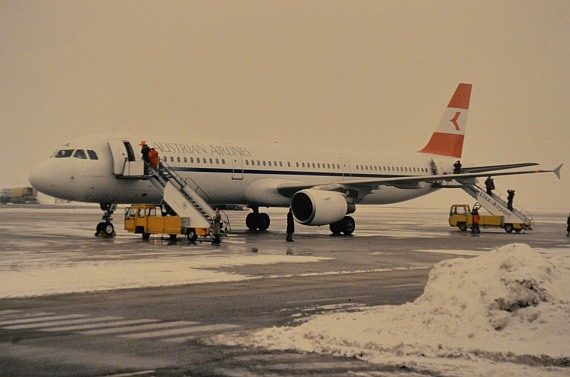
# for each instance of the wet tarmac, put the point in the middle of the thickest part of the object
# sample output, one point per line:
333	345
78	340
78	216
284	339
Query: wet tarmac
72	304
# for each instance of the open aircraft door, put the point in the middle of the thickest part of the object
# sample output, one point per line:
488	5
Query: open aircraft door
125	163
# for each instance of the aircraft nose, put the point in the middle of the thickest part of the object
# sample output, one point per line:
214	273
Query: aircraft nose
40	179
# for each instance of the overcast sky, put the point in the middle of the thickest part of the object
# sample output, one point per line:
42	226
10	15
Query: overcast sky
367	74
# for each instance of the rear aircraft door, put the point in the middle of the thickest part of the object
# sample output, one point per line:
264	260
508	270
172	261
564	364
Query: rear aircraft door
237	173
124	160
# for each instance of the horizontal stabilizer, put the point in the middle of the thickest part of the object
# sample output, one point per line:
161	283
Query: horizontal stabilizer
482	169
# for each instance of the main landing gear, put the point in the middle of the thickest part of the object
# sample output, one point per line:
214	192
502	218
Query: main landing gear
345	226
261	221
105	228
257	221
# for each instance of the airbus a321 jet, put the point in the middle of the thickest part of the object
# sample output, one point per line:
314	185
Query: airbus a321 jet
321	185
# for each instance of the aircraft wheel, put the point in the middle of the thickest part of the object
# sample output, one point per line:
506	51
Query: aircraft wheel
348	225
108	229
336	227
263	221
251	221
100	229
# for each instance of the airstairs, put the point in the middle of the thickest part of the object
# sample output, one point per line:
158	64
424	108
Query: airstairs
182	196
497	205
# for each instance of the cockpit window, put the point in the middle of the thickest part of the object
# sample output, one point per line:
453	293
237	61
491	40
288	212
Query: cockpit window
80	153
92	154
63	153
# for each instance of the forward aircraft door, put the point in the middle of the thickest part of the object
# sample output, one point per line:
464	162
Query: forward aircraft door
124	160
237	173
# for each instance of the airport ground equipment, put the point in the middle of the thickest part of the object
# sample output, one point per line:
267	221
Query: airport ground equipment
150	219
460	216
182	196
496	205
19	195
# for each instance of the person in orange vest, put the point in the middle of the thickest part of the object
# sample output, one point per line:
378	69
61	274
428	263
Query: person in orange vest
475	221
153	157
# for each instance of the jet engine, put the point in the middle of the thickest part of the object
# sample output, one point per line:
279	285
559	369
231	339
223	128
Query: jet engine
319	207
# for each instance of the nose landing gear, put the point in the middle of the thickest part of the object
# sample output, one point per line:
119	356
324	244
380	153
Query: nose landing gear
106	228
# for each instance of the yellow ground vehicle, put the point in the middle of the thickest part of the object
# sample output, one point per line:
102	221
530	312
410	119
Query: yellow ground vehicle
460	216
149	219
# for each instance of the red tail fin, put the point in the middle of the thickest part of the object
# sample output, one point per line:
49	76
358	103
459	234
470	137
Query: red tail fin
447	139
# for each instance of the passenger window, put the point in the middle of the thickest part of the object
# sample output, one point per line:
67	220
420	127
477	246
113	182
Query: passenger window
80	153
92	154
64	153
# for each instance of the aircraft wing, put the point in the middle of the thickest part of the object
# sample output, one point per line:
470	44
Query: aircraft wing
407	182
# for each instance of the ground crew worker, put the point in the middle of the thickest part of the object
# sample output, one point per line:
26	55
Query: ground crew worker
475	221
216	227
510	198
457	167
290	226
153	158
490	185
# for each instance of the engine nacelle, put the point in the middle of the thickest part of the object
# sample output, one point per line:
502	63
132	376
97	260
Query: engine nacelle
319	207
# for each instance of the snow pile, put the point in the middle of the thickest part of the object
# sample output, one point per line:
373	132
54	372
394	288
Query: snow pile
503	313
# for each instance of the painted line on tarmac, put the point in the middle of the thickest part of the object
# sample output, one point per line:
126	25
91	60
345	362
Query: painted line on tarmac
131	329
21	323
179	331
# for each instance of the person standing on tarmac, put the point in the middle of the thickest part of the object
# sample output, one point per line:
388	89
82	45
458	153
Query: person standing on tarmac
216	227
475	221
290	226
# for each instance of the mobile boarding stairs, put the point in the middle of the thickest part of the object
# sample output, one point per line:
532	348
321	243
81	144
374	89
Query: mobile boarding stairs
183	196
496	204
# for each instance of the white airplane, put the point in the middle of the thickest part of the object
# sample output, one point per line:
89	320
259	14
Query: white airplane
321	185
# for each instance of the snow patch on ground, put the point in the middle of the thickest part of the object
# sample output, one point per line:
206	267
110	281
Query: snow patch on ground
505	313
36	278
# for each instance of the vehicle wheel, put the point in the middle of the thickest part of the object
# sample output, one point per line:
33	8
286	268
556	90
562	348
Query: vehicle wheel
348	225
509	228
462	227
251	221
145	236
263	221
191	235
518	230
336	227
